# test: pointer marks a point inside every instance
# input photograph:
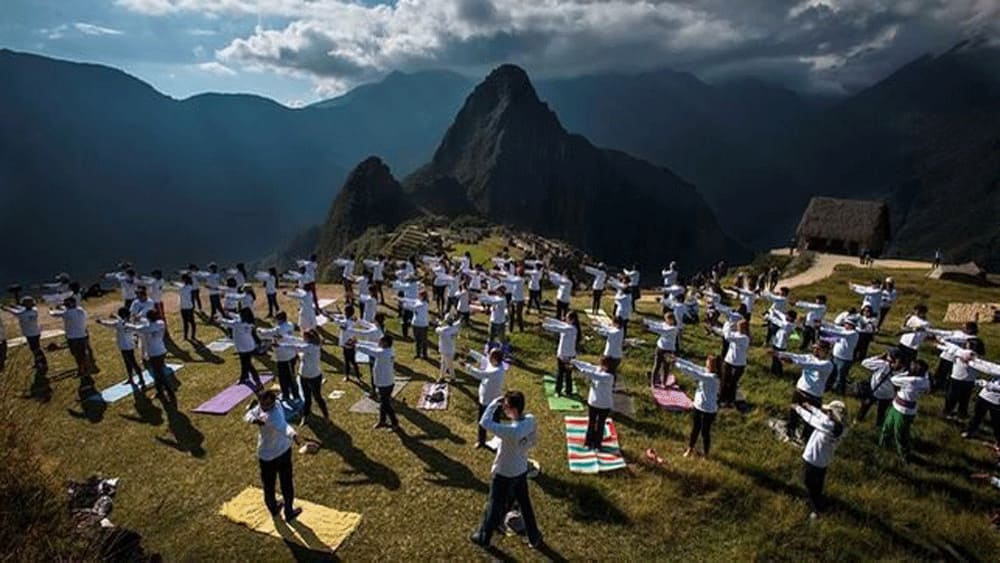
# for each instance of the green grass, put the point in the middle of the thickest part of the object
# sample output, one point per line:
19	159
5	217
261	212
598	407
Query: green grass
422	493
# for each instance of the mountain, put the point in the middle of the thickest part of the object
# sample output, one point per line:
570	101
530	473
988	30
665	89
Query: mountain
506	157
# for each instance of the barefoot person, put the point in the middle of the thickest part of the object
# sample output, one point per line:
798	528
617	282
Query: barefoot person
274	453
705	400
510	467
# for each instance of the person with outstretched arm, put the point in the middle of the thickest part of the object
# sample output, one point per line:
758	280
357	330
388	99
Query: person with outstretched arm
27	320
597	286
738	339
421	322
829	424
809	389
125	341
845	339
599	399
957	337
569	337
151	333
914	332
510	467
666	345
447	333
534	276
814	320
962	380
705	400
311	374
383	368
614	340
274	454
881	390
243	329
498	313
899	422
284	355
564	293
624	301
988	400
77	339
490	378
377	267
779	304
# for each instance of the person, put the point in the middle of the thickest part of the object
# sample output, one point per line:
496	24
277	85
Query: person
564	293
490	378
311	374
784	327
213	281
151	332
407	288
196	276
447	333
666	345
599	399
27	320
888	298
735	358
779	304
867	324
830	426
871	294
963	376
377	268
914	332
510	467
899	422
597	287
816	369
421	322
463	303
154	287
346	340
669	274
937	259
274	454
185	289
75	325
307	309
569	337
243	328
142	304
633	276
497	303
773	277
383	359
270	283
515	290
970	330
613	344
814	319
535	287
127	282
623	301
988	401
308	268
880	389
284	355
705	400
3	345
845	339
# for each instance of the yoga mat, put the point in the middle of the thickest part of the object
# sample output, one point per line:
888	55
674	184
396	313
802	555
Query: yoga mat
367	406
220	345
46	334
123	389
670	397
318	528
556	402
324	303
600	318
622	403
582	460
229	397
427	404
362	358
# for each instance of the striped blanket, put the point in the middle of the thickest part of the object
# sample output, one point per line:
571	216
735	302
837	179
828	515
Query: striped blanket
582	460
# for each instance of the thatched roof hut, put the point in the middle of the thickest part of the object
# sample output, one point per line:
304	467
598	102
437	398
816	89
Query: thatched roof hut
844	226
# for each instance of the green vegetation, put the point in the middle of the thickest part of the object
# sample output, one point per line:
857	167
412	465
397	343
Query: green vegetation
422	492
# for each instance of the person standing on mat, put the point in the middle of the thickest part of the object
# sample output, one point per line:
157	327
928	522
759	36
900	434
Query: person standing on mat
284	355
899	423
569	337
142	304
614	340
988	400
151	332
535	288
490	386
624	303
666	346
510	468
27	319
809	389
186	291
274	454
830	425
75	325
564	293
498	313
706	404
447	333
599	399
814	319
383	367
125	341
738	341
243	337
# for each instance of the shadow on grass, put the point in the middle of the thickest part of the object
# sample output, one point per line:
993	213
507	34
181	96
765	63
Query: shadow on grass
335	439
433	430
145	409
588	504
186	437
205	354
447	472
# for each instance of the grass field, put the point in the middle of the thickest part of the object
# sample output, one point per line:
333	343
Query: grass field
422	492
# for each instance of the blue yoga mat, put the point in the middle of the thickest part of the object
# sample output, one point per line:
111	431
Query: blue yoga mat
121	390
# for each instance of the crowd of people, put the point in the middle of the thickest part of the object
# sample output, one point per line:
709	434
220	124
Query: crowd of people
443	292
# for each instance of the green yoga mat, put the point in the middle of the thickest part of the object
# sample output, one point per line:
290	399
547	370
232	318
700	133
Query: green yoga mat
558	403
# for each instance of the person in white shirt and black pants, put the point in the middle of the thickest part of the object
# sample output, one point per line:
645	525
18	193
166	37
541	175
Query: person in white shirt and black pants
599	399
829	424
271	291
186	291
274	454
75	324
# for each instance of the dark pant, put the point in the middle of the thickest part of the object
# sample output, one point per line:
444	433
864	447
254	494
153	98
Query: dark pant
78	348
841	372
285	381
187	319
942	374
882	314
659	373
272	304
439	297
701	423
3	354
215	305
624	324
595	302
247	369
350	360
498	332
196	299
595	427
377	291
158	369
808	337
128	303
131	365
502	491
562	309
35	345
385	411
771	330
814	478
312	388
517	315
864	342
636	294
883	407
407	317
564	377
982	407
798	398
906	355
480	431
959	393
776	367
420	341
730	382
279	468
535	300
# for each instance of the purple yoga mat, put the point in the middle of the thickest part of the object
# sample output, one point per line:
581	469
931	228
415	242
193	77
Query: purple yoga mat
229	397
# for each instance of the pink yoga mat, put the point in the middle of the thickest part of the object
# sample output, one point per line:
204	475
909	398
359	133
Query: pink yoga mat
229	397
671	398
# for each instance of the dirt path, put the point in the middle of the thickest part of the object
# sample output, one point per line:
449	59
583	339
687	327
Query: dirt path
825	263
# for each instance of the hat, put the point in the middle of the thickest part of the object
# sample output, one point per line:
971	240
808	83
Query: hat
837	410
851	320
889	280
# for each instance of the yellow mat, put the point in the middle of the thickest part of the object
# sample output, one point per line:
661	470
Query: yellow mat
318	527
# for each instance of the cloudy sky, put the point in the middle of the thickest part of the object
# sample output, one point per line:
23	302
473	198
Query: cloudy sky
298	51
